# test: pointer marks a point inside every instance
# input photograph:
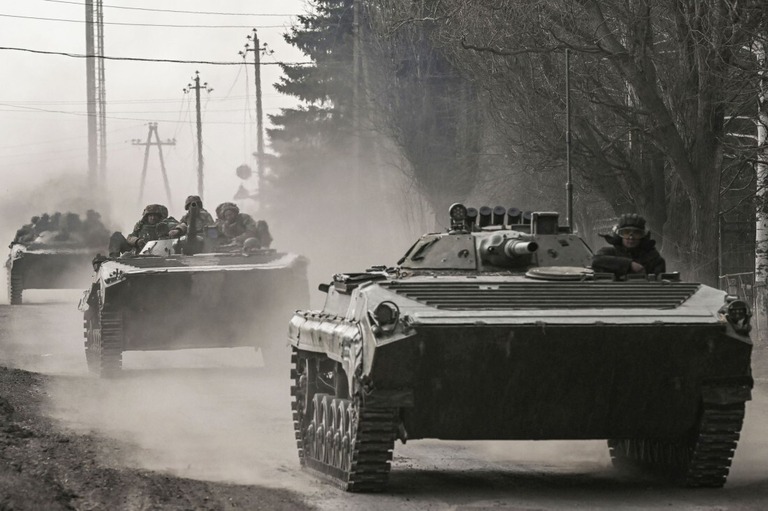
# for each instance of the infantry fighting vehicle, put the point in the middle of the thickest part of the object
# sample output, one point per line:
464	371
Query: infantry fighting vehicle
48	263
187	293
498	330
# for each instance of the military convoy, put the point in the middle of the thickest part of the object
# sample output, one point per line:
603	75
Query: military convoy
191	292
498	330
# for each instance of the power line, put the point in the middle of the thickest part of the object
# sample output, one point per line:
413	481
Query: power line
124	101
180	12
137	24
140	59
85	114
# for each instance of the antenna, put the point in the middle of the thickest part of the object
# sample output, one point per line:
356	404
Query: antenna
568	183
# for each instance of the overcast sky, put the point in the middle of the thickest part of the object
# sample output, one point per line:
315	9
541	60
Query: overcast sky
43	126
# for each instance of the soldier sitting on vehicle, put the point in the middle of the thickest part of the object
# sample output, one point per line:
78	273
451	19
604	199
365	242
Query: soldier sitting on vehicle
27	233
204	218
632	250
154	224
68	224
236	227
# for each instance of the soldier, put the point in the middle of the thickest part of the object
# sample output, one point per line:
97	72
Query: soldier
204	218
28	232
154	224
68	224
632	250
238	227
44	224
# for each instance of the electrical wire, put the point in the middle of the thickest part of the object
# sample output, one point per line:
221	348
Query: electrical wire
175	11
117	23
140	59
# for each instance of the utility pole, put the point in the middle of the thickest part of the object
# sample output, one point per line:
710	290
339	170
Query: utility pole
95	92
257	50
147	145
197	88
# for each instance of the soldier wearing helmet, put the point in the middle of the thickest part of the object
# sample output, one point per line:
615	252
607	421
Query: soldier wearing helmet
204	218
237	227
154	224
631	250
28	232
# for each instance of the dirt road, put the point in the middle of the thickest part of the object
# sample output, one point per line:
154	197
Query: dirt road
210	429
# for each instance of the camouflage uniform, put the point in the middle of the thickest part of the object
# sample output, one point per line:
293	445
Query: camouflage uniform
204	218
243	227
143	231
28	232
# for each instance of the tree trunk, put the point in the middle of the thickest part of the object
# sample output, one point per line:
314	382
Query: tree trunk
761	233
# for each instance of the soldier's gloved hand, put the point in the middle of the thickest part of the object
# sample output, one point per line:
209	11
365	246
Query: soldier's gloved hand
637	267
174	233
140	243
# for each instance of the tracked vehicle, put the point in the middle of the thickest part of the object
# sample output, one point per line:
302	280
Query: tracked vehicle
499	330
191	292
47	263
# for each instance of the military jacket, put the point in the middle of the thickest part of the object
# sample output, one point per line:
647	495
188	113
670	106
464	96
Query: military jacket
204	219
147	232
245	227
617	258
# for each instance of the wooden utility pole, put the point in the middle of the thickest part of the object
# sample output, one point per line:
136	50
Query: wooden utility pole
149	143
257	50
197	88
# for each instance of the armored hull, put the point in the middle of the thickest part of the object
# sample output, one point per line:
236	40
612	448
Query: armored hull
47	266
460	349
169	302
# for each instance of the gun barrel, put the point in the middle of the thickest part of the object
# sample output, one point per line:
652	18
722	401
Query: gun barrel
517	248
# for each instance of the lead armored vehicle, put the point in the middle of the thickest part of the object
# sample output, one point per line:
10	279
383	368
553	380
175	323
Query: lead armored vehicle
499	330
190	293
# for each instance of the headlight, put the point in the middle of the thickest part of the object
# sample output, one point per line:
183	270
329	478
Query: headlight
386	315
738	314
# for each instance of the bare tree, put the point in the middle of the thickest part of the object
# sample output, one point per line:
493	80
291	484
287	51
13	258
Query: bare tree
424	104
655	82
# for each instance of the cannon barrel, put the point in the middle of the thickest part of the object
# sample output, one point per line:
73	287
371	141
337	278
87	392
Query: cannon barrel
516	248
191	244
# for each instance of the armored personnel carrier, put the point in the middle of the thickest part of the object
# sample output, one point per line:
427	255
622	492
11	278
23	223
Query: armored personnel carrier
54	258
499	330
190	293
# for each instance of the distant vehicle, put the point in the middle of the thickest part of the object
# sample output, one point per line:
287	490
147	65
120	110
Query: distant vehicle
52	259
498	330
191	293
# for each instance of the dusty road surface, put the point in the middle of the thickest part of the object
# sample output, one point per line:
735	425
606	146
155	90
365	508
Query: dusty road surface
211	429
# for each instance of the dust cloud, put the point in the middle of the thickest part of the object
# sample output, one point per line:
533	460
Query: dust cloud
213	414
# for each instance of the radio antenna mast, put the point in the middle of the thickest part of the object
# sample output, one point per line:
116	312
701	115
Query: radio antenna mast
568	183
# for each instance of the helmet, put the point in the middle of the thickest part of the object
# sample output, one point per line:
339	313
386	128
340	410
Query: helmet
191	199
35	219
224	206
157	209
631	221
